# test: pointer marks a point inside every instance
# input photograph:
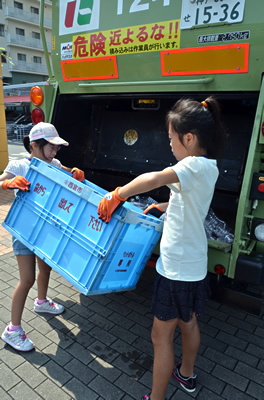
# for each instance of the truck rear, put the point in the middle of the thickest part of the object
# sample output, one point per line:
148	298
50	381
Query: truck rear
114	73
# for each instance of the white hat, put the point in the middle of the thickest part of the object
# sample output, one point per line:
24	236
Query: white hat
44	130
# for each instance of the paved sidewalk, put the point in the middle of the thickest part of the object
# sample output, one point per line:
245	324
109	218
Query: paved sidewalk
100	347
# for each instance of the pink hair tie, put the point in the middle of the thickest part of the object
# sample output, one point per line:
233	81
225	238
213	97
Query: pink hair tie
204	103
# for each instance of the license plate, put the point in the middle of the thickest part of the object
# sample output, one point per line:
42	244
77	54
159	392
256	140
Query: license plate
203	12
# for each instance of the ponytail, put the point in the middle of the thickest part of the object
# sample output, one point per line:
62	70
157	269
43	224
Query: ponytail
26	144
219	135
203	119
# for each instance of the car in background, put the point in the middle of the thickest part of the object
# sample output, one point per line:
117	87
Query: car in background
11	118
21	127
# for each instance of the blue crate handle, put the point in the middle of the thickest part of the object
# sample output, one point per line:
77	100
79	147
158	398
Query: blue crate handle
55	177
131	217
134	218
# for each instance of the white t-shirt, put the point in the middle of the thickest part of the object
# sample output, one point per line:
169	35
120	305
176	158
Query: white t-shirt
21	167
183	248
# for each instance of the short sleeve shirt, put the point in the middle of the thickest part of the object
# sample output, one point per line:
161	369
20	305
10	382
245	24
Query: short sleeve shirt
21	167
183	249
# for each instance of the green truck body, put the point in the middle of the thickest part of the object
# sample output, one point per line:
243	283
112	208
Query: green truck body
118	66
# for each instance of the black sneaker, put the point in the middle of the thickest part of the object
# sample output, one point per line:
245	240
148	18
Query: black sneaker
188	384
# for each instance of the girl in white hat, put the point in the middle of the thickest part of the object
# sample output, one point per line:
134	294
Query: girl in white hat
43	143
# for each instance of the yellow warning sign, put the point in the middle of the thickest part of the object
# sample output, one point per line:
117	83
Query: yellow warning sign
144	38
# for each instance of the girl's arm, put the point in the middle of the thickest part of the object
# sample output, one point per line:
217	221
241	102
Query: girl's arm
66	168
76	173
156	209
149	181
163	206
11	181
4	176
141	184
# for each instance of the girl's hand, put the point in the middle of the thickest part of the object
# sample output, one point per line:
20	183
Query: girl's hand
109	203
18	182
77	174
154	210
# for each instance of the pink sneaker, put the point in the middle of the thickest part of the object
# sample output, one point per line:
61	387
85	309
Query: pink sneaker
48	307
17	339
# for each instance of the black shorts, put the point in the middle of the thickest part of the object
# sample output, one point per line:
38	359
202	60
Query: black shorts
178	299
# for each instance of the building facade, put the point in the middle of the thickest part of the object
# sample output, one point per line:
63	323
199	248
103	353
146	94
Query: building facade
21	40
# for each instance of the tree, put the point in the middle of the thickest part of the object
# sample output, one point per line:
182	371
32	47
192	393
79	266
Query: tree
8	59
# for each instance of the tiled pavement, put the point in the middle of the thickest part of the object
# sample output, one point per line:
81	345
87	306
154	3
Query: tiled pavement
100	347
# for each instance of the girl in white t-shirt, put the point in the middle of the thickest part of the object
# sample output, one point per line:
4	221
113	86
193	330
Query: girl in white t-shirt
43	143
180	289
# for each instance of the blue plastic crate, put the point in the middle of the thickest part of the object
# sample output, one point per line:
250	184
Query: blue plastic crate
58	221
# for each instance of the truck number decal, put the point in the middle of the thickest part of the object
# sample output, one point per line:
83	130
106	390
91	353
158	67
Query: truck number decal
84	15
136	6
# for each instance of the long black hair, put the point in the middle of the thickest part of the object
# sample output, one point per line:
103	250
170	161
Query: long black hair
203	119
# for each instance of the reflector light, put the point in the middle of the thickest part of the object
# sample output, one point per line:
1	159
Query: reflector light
259	232
219	269
36	96
37	115
257	229
151	263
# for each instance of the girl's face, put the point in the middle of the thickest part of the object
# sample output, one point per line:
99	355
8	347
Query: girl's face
47	153
50	151
177	148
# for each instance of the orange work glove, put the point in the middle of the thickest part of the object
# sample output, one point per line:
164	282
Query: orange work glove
18	182
154	210
77	174
109	203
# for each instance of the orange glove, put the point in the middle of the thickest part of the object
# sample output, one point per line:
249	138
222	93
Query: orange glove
154	210
18	182
77	174
109	203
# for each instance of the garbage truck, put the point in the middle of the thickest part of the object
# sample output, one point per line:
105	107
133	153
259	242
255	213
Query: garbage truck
117	67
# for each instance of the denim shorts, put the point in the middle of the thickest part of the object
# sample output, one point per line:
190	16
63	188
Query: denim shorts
19	248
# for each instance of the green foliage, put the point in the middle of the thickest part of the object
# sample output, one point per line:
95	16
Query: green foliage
8	59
